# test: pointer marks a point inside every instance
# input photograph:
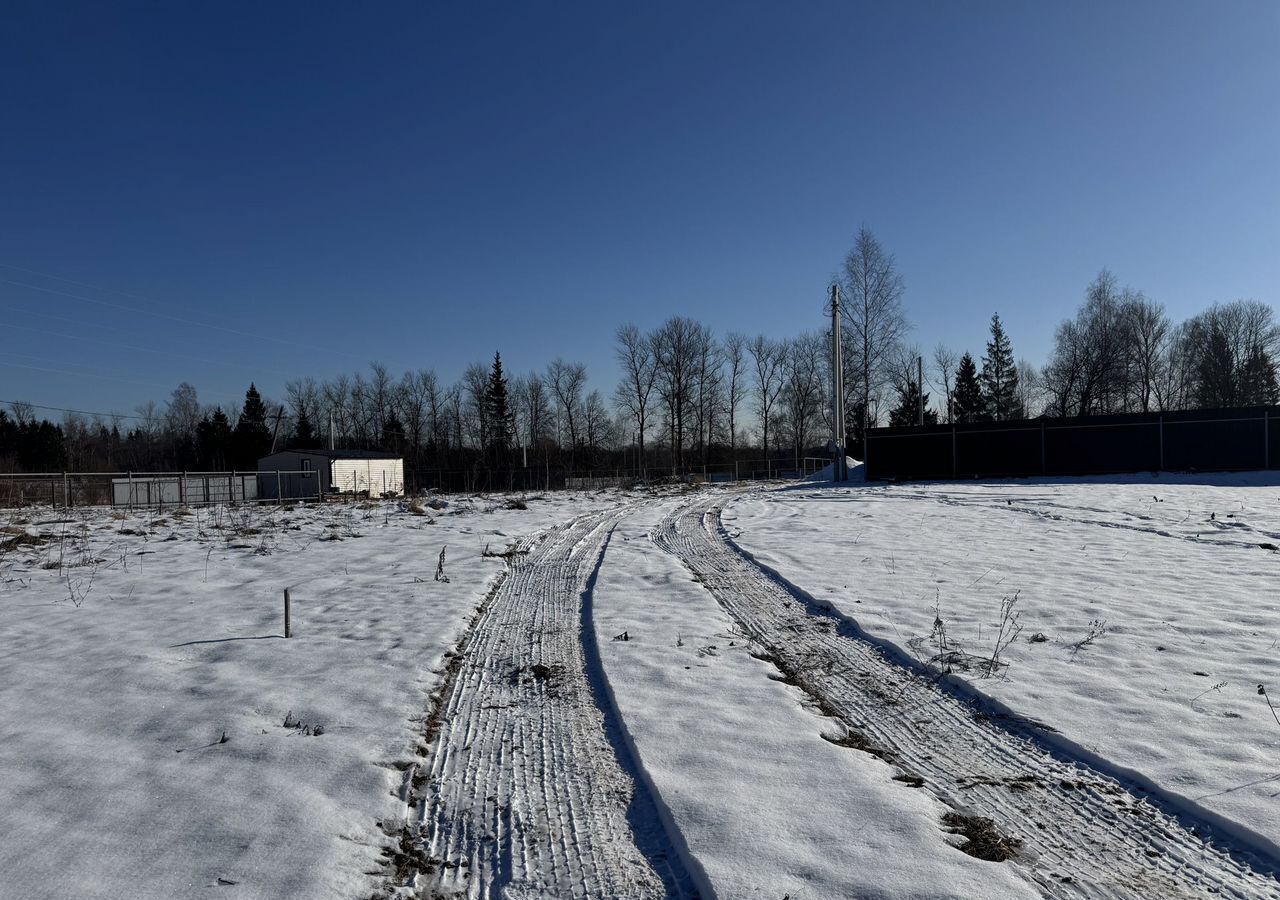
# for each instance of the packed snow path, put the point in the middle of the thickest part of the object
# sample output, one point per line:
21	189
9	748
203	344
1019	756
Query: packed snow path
530	788
1082	832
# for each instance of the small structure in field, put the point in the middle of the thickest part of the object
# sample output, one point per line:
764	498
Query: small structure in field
314	474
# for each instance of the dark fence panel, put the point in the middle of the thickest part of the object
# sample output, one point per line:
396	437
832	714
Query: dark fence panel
994	450
1201	440
926	455
1121	446
1215	444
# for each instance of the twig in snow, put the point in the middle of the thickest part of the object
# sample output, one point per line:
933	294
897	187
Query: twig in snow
1217	687
1263	691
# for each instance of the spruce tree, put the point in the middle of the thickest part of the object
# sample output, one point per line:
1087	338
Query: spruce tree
999	373
501	424
213	440
907	412
392	433
252	438
1258	379
1216	372
967	401
304	434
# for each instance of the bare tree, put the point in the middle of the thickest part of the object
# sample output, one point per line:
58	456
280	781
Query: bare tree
535	408
872	311
1148	332
475	387
767	359
634	392
1086	372
381	397
944	361
566	381
596	425
708	391
413	398
735	363
803	388
676	347
182	414
1029	395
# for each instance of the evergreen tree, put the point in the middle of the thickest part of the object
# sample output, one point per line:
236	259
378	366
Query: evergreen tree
999	374
304	435
497	409
252	438
967	401
1215	371
213	441
1258	379
907	412
392	434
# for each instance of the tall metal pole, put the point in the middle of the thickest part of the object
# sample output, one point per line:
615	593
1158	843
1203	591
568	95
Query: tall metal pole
839	469
920	386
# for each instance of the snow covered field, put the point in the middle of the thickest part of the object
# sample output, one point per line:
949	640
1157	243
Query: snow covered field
621	699
120	674
1148	606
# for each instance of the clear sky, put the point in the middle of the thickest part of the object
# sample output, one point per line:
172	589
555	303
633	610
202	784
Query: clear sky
422	184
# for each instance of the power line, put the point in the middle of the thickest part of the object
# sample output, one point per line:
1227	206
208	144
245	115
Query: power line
150	384
82	412
148	312
238	367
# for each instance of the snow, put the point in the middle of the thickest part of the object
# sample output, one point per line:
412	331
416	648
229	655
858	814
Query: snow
131	646
827	473
1180	570
766	807
114	783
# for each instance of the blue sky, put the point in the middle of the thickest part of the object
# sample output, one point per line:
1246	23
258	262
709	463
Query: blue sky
422	184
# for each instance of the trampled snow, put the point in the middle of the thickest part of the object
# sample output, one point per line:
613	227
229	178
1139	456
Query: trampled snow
766	805
134	645
113	783
1148	608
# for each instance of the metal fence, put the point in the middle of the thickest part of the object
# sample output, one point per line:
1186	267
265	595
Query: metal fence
163	490
1203	440
145	490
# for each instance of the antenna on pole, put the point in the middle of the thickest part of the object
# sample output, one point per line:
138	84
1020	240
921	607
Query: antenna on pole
839	468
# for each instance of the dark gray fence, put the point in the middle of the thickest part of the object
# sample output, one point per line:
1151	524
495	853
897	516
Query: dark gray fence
1202	440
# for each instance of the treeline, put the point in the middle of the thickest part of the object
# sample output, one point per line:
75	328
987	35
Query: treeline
687	398
1120	353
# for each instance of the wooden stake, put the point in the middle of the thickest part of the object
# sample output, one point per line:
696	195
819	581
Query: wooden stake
288	632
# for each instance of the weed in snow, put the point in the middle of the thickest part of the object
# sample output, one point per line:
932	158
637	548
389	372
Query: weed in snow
1097	628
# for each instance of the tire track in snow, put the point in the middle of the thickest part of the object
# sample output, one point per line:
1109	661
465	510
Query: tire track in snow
1084	832
529	790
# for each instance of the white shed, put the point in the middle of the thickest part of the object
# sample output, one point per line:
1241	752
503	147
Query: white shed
309	474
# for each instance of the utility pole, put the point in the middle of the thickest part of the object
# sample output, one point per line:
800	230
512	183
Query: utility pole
839	469
920	386
275	432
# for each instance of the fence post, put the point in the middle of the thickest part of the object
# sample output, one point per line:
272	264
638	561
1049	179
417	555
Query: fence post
279	496
66	491
1161	421
129	499
1044	457
288	631
955	457
182	488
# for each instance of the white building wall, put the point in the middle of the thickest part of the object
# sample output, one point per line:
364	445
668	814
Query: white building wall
377	476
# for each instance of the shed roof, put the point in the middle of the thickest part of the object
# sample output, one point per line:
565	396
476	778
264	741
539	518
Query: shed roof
338	454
